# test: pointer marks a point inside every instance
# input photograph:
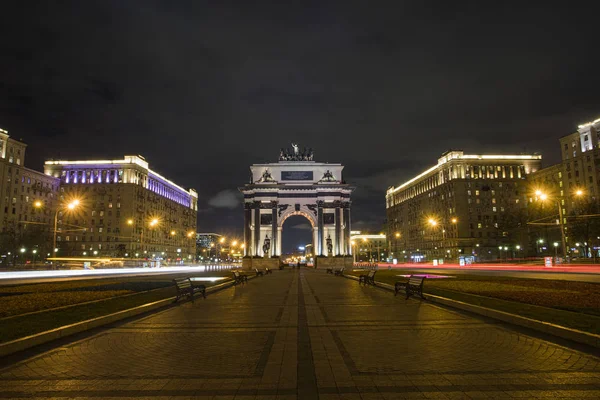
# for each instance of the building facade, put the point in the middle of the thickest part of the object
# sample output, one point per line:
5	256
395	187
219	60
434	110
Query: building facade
27	204
124	209
466	205
573	184
369	247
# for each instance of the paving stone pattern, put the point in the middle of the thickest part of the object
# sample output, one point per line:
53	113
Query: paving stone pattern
306	335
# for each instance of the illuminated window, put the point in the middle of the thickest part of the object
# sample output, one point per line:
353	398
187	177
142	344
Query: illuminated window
479	225
494	209
477	193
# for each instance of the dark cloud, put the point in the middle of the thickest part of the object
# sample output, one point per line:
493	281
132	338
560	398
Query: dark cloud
203	89
226	199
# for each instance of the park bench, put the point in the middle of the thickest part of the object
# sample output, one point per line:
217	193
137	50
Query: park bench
339	272
367	278
268	271
330	271
185	287
239	278
258	273
414	286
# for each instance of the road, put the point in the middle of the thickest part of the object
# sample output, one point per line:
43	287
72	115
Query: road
578	273
41	276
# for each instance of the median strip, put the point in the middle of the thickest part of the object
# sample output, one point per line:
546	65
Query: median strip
569	333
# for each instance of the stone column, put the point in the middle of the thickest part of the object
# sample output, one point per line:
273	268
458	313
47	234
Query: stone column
278	240
274	235
338	229
256	243
247	230
347	242
321	235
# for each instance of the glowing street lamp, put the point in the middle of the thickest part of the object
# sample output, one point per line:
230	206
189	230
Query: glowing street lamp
172	233
432	222
73	204
543	197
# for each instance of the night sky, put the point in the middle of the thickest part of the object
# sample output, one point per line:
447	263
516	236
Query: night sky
203	89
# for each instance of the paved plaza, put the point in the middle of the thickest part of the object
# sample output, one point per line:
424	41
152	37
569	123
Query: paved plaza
303	334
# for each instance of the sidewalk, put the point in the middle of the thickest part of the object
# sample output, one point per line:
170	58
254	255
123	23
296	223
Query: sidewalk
305	335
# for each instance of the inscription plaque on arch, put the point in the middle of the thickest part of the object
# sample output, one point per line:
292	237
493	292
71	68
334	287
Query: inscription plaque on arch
296	175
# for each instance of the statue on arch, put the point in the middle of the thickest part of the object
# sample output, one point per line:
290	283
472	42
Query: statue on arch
266	176
329	245
266	246
296	151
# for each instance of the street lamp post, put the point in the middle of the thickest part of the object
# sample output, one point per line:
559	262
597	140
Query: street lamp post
71	206
543	196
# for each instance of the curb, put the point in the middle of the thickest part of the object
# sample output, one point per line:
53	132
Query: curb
563	332
78	327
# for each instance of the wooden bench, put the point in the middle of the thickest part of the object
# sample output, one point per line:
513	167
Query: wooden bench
239	278
330	271
258	273
339	272
268	271
367	278
185	287
414	286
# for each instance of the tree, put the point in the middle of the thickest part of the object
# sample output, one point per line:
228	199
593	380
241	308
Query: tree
584	223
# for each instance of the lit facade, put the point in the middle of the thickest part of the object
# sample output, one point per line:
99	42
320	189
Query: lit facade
575	184
27	203
369	247
465	205
126	210
580	153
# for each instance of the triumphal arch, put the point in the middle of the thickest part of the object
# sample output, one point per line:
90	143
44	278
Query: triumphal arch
296	185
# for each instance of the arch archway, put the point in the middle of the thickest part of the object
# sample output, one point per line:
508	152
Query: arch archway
296	185
296	236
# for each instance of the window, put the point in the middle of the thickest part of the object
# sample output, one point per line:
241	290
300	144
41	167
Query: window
477	193
494	209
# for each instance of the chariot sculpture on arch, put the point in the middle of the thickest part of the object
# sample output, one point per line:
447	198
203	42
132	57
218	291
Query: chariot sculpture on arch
294	154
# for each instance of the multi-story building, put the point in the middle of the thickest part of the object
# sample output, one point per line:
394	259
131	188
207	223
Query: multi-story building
121	208
27	202
207	245
574	184
580	153
368	247
467	204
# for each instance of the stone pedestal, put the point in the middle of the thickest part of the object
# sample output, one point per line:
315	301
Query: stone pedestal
333	262
260	263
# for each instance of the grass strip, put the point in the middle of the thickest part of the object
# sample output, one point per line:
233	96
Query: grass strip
565	303
21	326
